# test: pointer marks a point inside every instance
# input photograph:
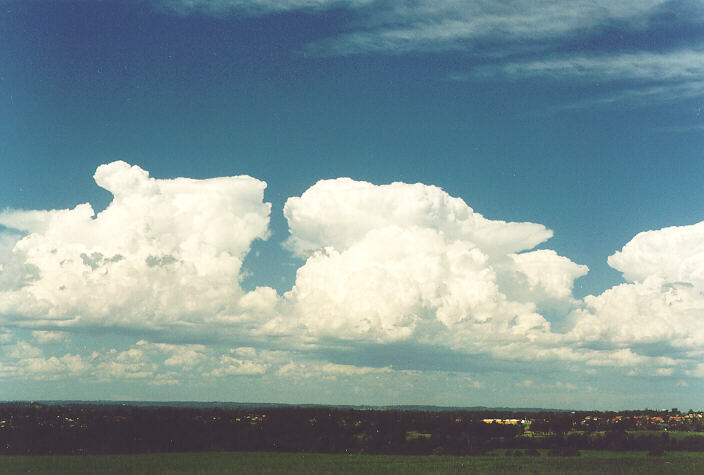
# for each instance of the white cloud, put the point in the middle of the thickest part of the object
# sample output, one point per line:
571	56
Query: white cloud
130	364
6	336
230	366
253	7
668	66
31	363
163	252
408	262
400	263
644	77
500	29
185	356
664	299
399	27
675	254
317	370
339	213
391	27
546	274
52	368
23	350
46	337
350	370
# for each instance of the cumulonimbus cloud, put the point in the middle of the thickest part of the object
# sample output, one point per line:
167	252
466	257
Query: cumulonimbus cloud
162	252
385	264
400	261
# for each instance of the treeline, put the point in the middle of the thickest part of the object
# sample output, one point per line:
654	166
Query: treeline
104	429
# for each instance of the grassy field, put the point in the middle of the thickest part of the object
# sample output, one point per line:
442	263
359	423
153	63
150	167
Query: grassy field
245	462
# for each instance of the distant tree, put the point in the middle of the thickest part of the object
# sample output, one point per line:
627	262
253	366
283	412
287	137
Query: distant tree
540	426
561	424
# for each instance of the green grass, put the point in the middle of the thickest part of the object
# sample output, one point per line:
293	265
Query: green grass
246	462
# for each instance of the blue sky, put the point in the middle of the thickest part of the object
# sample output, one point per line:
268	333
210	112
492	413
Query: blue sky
582	118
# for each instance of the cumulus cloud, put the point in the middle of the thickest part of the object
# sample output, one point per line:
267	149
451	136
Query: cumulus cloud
163	252
23	361
674	254
45	337
350	370
546	274
400	262
338	213
403	264
663	300
231	366
52	368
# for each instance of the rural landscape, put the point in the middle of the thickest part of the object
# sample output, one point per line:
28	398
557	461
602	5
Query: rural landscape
214	437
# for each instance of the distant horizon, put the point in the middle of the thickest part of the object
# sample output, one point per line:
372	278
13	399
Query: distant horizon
348	406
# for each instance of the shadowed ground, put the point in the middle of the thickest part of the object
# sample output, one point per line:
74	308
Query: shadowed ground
248	462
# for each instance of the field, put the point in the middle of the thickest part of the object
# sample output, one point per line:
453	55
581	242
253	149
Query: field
247	462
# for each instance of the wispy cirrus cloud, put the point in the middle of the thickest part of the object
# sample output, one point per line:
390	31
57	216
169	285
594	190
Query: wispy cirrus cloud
401	27
393	27
682	66
253	7
497	32
638	78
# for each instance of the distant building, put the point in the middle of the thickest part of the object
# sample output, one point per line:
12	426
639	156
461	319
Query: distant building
504	421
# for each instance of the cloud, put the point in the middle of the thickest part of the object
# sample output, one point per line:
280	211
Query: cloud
674	254
22	361
253	7
406	262
48	337
164	252
401	27
670	66
22	350
386	266
409	263
494	33
640	76
316	370
339	213
52	368
350	370
231	366
663	300
393	27
642	95
636	78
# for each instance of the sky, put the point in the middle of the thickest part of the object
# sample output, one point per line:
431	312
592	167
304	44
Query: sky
460	203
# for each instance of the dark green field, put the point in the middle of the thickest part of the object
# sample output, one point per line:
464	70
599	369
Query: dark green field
246	462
